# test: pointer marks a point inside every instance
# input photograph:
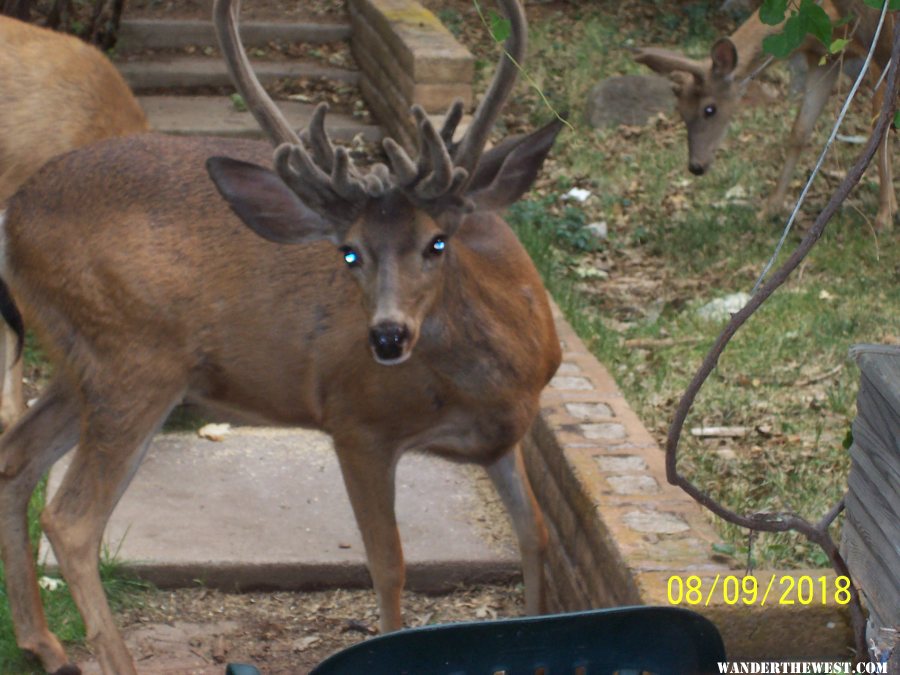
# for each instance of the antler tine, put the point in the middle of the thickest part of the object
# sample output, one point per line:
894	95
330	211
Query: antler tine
267	114
468	152
343	181
451	121
433	155
320	144
337	196
403	167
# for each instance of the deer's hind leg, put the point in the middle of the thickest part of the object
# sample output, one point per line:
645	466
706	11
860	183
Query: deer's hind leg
46	432
511	482
116	431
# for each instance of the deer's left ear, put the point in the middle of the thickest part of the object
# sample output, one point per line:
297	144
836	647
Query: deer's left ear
508	170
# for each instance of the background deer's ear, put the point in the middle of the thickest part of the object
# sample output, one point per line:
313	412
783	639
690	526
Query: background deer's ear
509	169
667	62
681	81
724	57
266	204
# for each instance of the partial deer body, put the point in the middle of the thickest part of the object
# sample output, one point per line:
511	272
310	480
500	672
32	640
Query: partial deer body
709	92
57	93
391	308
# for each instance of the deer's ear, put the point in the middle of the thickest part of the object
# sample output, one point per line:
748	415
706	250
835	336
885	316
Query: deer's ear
508	170
669	63
724	57
266	204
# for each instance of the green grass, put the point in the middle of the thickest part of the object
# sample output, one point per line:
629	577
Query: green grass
786	371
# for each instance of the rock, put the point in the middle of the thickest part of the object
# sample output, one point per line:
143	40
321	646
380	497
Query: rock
600	230
721	309
629	99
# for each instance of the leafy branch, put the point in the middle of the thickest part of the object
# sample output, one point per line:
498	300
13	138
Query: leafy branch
805	19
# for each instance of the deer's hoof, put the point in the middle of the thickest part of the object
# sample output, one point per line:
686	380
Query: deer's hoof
68	669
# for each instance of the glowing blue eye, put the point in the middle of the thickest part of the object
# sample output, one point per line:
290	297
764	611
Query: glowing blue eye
351	257
438	246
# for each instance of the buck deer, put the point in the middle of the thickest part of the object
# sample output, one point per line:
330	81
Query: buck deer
56	94
390	307
708	93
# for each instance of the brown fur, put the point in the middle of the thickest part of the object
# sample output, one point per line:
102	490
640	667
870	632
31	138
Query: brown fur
58	93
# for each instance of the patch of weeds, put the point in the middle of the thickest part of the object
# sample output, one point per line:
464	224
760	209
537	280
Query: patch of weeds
566	225
452	19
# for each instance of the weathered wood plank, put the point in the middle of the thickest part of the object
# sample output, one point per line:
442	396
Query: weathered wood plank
869	574
870	477
419	41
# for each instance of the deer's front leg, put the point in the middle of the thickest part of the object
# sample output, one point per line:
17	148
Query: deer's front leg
369	479
511	481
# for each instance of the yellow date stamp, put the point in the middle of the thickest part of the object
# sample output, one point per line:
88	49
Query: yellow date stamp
783	589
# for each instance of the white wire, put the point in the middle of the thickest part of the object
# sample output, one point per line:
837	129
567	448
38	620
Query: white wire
828	144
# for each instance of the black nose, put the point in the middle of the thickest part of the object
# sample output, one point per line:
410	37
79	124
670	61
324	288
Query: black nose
696	169
388	340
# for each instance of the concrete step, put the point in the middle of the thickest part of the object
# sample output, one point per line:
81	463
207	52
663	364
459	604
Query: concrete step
139	34
266	508
217	116
187	72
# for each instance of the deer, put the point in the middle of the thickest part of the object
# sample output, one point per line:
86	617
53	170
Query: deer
59	93
388	305
709	92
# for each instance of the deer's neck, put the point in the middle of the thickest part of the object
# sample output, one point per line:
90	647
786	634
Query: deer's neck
748	39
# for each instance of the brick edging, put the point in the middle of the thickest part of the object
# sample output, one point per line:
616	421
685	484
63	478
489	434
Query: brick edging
619	531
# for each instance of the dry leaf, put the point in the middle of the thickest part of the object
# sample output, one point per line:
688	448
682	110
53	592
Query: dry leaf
214	432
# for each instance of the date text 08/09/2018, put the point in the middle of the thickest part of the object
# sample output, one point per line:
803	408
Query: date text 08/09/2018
782	589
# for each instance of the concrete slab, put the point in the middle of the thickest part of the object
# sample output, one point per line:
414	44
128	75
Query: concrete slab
217	116
138	34
266	508
189	72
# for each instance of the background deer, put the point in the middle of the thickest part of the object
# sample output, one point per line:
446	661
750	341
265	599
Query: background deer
57	93
390	307
709	92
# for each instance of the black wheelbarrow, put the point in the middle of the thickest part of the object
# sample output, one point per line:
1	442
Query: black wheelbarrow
622	641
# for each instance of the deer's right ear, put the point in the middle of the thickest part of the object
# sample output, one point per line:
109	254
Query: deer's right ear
266	204
667	62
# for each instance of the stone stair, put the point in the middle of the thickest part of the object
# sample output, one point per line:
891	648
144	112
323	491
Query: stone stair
174	87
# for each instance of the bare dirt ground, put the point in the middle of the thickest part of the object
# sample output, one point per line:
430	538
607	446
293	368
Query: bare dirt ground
197	631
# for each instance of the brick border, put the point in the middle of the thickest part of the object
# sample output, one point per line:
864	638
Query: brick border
618	530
